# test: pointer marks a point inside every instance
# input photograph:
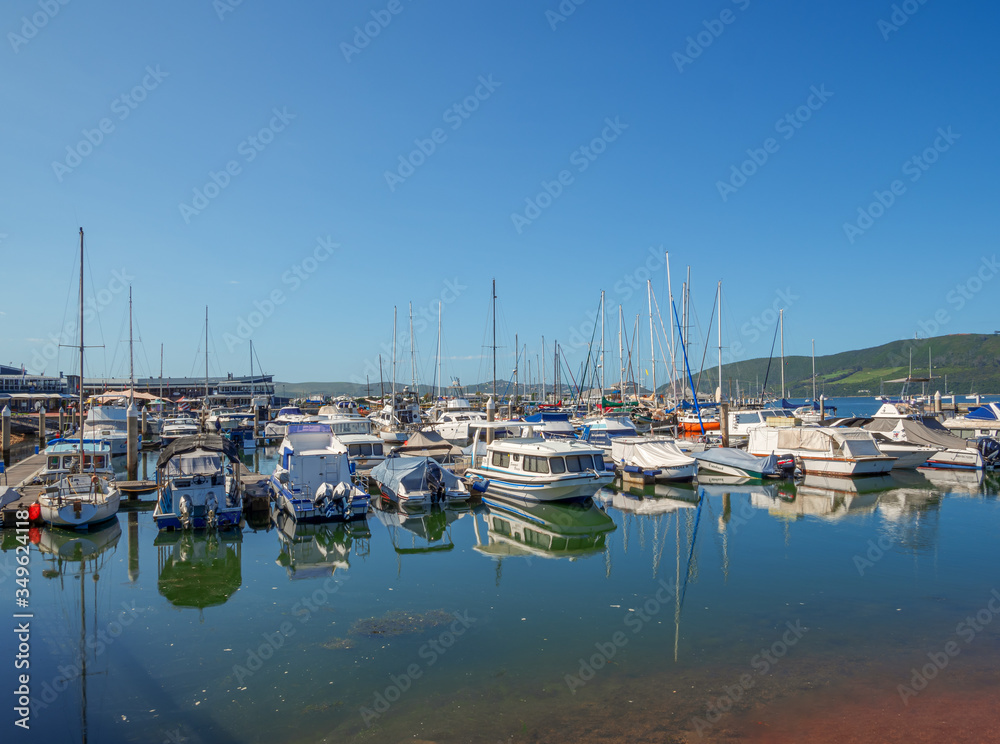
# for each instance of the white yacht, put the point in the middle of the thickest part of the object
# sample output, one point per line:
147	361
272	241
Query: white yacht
658	458
900	422
356	432
741	423
109	424
177	426
398	417
276	428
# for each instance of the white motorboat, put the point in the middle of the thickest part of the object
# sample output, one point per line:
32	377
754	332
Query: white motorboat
418	481
541	469
840	452
736	463
197	479
312	479
655	457
900	422
741	423
356	432
177	426
601	432
278	427
109	424
62	458
399	416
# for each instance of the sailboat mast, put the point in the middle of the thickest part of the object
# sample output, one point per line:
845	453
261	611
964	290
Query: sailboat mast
439	350
814	368
517	358
781	318
80	432
205	407
392	409
652	345
544	399
252	386
131	367
603	386
161	371
494	342
673	357
621	357
413	356
719	397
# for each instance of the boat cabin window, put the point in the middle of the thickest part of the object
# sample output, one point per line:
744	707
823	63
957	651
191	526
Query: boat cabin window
87	462
363	450
557	464
198	463
54	462
99	461
579	463
536	464
501	459
517	457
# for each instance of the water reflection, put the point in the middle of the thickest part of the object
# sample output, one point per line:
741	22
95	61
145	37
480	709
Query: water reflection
317	550
419	529
78	556
523	528
955	481
198	569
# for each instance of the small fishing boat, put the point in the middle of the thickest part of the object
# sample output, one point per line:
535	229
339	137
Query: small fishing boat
658	458
416	481
736	462
198	484
312	479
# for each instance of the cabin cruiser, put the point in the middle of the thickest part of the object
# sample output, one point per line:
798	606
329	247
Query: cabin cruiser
455	421
177	426
541	469
198	484
552	424
276	428
356	432
742	422
109	424
418	481
655	457
840	452
312	480
900	422
62	458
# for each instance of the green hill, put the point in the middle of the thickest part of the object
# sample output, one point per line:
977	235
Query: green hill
971	363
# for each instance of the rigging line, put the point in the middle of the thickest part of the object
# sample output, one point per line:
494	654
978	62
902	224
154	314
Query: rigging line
707	339
769	358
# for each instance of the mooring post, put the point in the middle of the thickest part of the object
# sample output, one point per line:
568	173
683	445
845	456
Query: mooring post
62	420
724	423
5	435
133	442
491	414
41	427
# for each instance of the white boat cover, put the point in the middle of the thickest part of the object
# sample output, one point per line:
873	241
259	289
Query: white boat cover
648	453
415	473
916	432
737	458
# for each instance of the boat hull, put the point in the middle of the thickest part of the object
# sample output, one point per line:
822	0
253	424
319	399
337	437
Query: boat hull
78	514
304	510
953	459
846	467
225	518
577	488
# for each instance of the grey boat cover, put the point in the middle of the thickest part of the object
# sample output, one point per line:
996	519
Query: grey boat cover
933	435
429	444
415	473
737	458
210	442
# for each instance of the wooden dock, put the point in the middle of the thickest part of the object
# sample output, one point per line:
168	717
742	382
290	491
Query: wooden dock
19	475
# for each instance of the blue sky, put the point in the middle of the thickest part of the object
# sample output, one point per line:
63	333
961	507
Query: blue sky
265	160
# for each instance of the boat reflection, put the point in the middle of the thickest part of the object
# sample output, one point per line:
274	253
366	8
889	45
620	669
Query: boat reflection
955	481
418	529
318	549
516	527
75	555
198	569
648	499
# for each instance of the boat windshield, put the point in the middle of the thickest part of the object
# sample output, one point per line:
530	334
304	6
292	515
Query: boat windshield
197	463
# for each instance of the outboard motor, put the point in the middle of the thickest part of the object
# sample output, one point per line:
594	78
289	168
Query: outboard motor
333	500
211	507
184	510
989	448
786	465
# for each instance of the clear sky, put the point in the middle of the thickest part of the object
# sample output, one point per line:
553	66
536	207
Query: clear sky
302	167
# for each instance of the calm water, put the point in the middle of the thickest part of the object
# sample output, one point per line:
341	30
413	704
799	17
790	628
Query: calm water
633	619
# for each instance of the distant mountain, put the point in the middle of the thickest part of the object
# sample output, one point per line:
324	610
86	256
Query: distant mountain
971	363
